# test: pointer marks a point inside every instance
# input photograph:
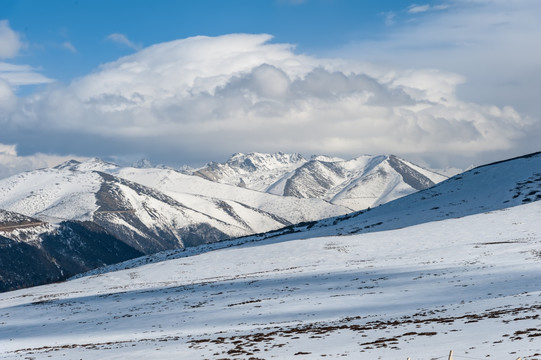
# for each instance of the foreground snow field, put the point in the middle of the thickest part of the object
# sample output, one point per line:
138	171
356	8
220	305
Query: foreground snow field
470	284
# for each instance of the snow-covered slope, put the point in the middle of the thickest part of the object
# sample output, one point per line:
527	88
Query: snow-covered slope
160	204
94	164
485	188
11	220
202	194
59	193
20	228
256	171
470	285
363	182
146	210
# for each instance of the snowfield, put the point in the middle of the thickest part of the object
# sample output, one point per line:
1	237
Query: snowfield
470	284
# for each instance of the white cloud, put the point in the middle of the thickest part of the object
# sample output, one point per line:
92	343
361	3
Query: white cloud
493	44
7	97
11	74
390	18
10	43
441	7
123	39
414	9
8	150
17	75
11	163
212	96
69	46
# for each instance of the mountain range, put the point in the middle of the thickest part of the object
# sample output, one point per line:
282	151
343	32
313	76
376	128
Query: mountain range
80	207
365	181
487	188
452	267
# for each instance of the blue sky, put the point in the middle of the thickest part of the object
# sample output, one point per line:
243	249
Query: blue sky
315	26
445	83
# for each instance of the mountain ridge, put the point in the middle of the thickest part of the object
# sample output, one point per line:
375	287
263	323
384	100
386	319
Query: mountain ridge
359	183
520	179
63	217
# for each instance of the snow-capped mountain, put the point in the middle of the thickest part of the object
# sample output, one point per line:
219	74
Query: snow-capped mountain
256	171
146	210
360	183
470	285
485	188
94	164
155	208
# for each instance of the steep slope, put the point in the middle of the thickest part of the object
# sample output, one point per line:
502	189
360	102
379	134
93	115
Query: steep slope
363	182
240	203
82	207
486	188
11	221
256	171
33	252
193	211
470	285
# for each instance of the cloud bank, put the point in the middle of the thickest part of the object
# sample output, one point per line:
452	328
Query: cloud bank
494	44
12	163
202	98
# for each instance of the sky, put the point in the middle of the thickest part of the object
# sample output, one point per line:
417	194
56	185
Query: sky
446	84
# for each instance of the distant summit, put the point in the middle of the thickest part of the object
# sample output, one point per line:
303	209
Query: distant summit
143	164
254	171
363	182
93	164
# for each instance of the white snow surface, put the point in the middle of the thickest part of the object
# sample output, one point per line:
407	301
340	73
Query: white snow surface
93	164
470	285
201	194
68	192
51	194
486	188
256	171
359	183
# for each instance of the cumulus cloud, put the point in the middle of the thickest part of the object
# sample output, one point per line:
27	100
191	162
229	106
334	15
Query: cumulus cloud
494	44
10	43
123	39
201	98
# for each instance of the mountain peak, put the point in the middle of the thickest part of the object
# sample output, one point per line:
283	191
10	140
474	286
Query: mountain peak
67	164
362	182
256	160
143	164
256	171
92	164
